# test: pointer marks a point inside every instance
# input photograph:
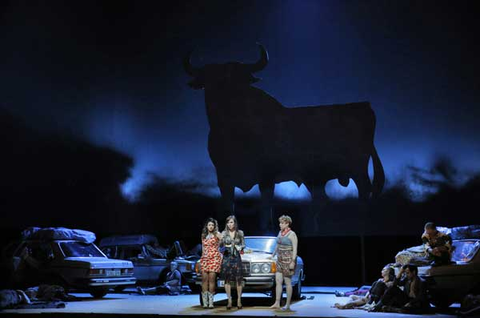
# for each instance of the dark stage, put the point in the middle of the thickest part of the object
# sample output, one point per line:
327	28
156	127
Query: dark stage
357	119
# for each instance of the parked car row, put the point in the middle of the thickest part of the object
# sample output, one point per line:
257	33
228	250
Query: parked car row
68	258
71	259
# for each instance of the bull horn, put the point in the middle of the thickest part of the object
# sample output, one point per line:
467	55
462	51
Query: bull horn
262	62
189	68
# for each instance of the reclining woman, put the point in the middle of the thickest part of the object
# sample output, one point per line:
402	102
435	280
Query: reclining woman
374	294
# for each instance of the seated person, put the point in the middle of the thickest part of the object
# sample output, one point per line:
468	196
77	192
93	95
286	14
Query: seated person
374	294
438	245
172	285
413	297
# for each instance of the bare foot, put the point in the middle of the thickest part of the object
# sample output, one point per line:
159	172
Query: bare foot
276	305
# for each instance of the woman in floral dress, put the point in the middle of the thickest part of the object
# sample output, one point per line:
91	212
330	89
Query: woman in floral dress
211	261
286	251
232	270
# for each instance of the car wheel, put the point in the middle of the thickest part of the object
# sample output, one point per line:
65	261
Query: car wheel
119	289
98	293
272	294
297	289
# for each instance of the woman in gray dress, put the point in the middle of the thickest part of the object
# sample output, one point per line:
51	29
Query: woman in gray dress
233	242
286	251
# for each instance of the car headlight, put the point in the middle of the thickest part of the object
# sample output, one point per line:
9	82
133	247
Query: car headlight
266	268
256	268
263	268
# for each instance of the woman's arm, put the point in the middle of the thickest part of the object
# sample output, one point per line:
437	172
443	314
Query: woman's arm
175	279
294	239
275	250
241	238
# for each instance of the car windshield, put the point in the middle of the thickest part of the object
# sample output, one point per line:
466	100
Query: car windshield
464	251
78	249
260	244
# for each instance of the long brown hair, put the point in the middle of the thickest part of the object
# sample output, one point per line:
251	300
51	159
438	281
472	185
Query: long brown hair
205	227
231	217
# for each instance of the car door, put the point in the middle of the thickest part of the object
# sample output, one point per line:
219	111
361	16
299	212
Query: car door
151	266
32	262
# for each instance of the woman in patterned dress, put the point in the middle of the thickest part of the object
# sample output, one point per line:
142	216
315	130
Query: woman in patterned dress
211	260
286	251
232	271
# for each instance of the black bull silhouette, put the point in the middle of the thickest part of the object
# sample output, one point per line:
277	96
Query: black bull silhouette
254	139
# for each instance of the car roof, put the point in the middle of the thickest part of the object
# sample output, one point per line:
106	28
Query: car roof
49	241
139	239
467	240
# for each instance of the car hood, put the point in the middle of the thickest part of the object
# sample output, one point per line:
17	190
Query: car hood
97	262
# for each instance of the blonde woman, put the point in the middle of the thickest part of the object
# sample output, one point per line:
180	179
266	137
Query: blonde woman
211	261
286	251
232	270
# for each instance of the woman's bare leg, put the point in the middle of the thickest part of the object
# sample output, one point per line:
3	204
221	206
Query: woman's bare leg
278	290
228	291
288	285
212	280
239	293
204	281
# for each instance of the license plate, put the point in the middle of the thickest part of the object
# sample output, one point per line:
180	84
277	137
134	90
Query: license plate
113	272
221	283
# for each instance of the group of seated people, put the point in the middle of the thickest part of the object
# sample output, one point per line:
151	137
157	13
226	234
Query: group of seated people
405	292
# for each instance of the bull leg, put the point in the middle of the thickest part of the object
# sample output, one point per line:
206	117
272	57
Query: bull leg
265	219
227	192
319	200
364	186
317	191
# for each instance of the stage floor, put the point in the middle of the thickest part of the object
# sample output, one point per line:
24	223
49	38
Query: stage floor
317	303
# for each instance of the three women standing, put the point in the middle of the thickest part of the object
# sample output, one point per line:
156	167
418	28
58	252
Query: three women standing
233	241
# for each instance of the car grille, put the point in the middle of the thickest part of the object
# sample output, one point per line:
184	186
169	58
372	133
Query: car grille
246	268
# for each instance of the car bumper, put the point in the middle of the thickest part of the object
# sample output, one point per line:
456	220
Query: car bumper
111	281
251	283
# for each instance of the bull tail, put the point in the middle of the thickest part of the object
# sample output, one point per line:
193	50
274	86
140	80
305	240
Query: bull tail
378	174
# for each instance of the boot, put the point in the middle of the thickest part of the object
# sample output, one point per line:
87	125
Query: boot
210	300
205	299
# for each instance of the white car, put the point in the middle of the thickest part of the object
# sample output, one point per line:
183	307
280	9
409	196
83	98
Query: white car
451	283
259	268
149	267
72	263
